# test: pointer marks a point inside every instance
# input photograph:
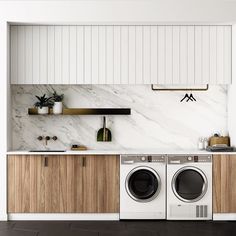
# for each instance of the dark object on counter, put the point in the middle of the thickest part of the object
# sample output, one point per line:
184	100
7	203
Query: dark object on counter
221	148
104	134
76	147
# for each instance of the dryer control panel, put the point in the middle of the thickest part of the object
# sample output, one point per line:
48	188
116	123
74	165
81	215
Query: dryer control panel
131	159
181	159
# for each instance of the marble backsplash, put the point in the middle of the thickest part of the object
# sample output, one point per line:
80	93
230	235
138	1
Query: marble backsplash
157	120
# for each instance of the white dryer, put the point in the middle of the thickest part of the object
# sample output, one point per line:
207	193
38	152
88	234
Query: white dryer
143	187
189	187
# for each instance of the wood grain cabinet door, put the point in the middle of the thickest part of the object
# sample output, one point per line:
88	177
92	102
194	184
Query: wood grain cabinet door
26	184
70	184
44	184
224	184
101	184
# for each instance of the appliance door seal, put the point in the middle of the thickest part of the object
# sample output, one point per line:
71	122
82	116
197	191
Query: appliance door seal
143	184
189	184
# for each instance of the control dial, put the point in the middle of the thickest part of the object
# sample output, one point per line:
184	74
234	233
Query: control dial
143	158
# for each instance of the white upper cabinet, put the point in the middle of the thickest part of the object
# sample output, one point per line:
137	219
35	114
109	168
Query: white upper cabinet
121	55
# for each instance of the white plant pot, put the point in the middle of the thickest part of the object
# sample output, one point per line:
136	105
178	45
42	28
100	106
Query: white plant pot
43	110
57	108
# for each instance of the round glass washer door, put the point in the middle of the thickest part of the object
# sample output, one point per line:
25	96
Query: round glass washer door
143	184
189	184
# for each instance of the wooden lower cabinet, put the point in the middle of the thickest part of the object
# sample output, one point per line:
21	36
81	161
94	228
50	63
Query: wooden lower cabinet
63	184
101	184
224	184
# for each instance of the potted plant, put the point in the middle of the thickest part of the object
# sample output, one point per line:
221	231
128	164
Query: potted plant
43	104
57	99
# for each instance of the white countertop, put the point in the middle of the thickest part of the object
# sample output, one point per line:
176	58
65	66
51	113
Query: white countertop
120	152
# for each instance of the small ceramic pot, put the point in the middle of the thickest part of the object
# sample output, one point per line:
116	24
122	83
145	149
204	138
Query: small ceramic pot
57	108
43	110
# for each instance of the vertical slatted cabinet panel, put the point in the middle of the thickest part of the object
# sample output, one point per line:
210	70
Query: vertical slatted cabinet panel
213	55
14	54
154	52
132	55
36	55
95	55
224	186
51	54
28	54
198	54
183	60
147	54
176	55
117	54
21	54
43	54
102	62
120	54
161	55
169	55
227	55
124	54
110	55
87	54
139	77
80	54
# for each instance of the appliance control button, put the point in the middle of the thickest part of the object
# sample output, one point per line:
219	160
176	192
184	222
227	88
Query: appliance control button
143	158
189	158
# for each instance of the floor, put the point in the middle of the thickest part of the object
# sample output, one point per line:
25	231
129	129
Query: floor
114	228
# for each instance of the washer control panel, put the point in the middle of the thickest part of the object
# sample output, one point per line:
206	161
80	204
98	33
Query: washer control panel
181	159
131	159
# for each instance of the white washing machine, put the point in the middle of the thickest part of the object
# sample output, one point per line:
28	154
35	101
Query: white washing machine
189	187
143	187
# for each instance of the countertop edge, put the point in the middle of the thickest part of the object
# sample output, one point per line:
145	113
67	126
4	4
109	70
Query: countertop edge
122	152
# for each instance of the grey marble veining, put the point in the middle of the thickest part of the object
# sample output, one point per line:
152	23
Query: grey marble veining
157	120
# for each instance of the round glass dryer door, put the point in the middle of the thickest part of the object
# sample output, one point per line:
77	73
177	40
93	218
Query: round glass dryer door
189	184
143	184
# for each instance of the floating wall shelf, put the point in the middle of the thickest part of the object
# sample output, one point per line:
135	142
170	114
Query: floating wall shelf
87	111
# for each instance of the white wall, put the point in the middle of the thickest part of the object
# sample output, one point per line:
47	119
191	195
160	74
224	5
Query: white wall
4	89
120	11
232	93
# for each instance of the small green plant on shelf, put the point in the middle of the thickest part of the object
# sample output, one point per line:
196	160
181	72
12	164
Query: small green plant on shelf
43	104
56	97
58	107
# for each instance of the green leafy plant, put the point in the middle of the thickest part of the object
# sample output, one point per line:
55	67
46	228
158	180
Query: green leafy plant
44	101
56	97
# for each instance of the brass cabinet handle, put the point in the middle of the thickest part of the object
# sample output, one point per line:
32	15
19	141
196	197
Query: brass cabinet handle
45	161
